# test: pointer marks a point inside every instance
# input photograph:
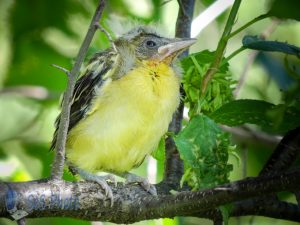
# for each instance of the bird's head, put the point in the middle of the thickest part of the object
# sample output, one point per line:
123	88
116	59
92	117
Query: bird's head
144	44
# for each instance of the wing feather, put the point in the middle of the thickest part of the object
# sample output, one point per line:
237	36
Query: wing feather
98	70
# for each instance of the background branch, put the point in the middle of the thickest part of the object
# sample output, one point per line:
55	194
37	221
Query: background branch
173	164
247	135
285	154
58	164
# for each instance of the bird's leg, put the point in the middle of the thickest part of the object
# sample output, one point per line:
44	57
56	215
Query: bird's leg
101	180
132	178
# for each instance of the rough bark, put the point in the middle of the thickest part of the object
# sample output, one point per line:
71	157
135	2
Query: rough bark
83	199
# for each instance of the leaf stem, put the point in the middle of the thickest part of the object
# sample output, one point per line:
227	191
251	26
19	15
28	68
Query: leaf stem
58	163
261	17
221	47
233	54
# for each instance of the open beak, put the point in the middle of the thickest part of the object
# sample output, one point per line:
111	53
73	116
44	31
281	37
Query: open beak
174	48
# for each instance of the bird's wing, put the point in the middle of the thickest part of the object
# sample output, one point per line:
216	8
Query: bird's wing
100	67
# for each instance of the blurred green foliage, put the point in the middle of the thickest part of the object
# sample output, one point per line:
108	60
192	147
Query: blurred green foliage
35	34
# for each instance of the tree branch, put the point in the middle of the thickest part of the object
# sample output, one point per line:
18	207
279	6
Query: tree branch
285	154
58	164
278	210
173	164
83	200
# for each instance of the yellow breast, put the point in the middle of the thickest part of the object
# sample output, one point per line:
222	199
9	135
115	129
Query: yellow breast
128	118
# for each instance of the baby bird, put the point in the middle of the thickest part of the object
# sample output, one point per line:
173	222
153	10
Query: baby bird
122	105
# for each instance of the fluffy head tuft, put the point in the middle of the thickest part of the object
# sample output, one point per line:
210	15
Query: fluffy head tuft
120	26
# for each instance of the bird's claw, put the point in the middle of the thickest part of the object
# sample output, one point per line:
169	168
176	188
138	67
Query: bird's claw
148	187
107	190
112	178
101	180
131	178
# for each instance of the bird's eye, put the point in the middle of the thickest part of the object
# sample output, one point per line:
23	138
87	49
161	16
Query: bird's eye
150	44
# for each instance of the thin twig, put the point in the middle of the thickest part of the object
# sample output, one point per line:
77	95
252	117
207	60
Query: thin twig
165	2
107	34
244	73
58	164
248	136
234	53
221	47
261	17
67	72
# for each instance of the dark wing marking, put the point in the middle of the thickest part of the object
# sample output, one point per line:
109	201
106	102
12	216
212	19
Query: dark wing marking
85	89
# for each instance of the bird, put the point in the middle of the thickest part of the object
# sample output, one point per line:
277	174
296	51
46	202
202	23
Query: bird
122	105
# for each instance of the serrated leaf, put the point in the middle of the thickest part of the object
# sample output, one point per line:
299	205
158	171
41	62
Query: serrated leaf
257	112
204	57
195	66
190	141
203	147
257	43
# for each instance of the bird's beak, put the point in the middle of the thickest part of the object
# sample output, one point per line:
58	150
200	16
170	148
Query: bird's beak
174	48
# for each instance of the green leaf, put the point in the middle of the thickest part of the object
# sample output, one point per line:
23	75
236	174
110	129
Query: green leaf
199	134
219	90
257	43
204	148
270	117
204	57
288	9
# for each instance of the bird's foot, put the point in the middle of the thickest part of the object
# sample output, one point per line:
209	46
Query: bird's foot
102	181
132	178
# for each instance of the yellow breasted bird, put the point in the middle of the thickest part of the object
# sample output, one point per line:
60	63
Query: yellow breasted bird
122	106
